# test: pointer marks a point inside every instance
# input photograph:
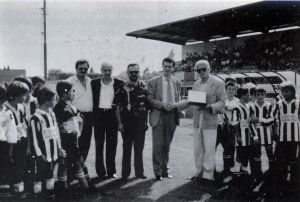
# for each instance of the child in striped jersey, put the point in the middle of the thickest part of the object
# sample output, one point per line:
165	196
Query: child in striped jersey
245	133
286	134
46	141
8	135
31	105
70	126
262	117
15	96
225	137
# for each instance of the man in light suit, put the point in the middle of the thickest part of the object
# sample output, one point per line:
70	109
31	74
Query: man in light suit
163	97
105	120
206	121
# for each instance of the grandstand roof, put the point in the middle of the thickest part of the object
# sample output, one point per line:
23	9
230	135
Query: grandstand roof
256	17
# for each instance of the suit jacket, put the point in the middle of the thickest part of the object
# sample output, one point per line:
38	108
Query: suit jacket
96	86
155	97
215	96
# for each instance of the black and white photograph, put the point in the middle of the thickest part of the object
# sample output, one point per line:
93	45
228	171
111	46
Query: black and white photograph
150	100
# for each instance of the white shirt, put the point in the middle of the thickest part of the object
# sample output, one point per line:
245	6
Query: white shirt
165	89
83	99
8	128
107	95
204	85
231	104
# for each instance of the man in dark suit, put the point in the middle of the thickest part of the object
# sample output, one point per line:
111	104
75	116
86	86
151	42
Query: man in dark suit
106	124
163	97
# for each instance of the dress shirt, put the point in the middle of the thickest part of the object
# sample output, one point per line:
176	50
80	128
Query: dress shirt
165	89
204	85
107	95
83	99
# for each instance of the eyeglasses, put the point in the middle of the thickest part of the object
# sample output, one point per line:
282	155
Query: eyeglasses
83	69
201	70
134	72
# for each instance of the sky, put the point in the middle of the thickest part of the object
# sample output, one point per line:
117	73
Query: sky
94	30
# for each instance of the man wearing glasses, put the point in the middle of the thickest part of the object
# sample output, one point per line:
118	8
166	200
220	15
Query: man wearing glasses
206	121
163	97
106	124
84	103
132	112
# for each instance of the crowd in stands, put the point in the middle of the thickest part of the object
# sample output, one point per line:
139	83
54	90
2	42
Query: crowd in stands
272	55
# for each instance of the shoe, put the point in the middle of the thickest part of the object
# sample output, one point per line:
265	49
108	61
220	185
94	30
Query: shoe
141	176
112	176
167	176
158	178
235	169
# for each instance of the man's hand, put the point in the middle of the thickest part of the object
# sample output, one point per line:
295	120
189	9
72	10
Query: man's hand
168	106
208	107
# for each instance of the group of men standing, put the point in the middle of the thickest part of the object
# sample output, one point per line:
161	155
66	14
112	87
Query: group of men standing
112	105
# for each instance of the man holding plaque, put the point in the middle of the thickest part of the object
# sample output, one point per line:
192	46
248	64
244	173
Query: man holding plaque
206	121
163	97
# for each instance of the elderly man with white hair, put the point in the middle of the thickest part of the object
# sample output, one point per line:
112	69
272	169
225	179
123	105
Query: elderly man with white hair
105	121
206	121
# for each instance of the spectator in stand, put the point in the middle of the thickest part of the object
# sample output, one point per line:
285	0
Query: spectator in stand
247	83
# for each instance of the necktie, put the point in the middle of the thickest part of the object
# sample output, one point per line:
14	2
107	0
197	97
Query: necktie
169	92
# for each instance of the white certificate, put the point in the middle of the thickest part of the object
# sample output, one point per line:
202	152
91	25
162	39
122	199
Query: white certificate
196	97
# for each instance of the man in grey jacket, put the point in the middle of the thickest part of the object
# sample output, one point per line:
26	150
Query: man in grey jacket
206	121
163	97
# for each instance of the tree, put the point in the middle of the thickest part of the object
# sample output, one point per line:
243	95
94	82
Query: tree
92	70
58	74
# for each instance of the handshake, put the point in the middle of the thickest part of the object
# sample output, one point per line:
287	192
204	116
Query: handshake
168	106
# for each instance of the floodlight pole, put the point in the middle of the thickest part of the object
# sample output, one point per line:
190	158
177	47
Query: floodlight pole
45	43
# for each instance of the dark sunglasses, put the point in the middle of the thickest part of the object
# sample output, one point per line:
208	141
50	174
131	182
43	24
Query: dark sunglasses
134	72
83	69
201	70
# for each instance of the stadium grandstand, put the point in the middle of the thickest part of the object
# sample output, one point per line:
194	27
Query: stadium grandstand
258	37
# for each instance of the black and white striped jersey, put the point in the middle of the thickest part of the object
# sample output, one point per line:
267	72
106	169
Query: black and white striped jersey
240	117
266	120
45	134
287	117
21	122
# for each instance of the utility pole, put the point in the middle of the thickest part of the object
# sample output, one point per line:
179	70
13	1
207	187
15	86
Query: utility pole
45	43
